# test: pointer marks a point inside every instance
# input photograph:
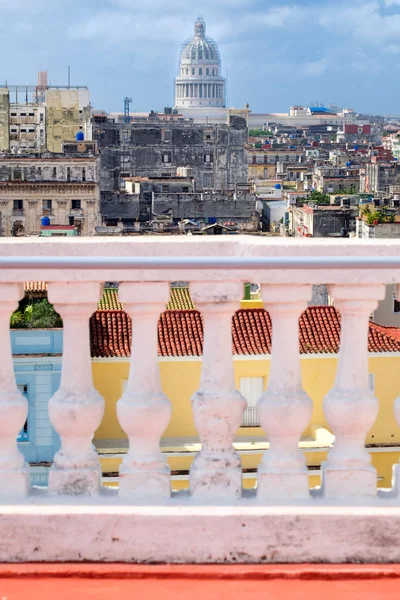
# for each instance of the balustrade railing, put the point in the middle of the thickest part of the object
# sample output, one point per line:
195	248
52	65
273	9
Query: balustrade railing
356	274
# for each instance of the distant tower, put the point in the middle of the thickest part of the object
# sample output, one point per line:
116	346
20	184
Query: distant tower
199	83
41	88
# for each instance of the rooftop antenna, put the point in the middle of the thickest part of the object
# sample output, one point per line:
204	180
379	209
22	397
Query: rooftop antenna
127	102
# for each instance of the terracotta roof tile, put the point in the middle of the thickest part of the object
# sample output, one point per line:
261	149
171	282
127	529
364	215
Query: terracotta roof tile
180	333
35	286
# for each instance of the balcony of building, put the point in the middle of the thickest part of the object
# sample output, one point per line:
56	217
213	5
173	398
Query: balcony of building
346	518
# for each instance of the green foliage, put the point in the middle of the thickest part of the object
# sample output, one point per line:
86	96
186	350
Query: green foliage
17	318
259	133
318	198
36	315
380	215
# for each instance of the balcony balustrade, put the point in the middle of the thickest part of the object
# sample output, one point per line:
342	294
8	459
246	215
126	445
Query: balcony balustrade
282	520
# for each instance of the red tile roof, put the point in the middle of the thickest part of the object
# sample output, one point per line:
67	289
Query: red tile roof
180	333
35	286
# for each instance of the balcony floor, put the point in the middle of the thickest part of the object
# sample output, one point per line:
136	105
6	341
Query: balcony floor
113	581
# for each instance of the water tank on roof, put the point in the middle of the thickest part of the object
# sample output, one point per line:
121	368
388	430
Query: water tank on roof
80	136
45	221
348	164
277	186
355	147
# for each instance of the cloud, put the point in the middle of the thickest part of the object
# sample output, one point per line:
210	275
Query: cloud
314	68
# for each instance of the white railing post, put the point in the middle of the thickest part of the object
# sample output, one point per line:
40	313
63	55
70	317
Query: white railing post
396	467
217	405
144	411
76	409
351	407
14	471
284	409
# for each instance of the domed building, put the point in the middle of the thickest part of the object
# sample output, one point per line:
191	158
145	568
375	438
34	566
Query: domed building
200	82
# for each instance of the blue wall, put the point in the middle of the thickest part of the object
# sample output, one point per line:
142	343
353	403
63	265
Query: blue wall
38	367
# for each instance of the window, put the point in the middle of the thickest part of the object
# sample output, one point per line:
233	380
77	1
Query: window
207	180
254	159
193	72
68	173
23	434
83	174
22	114
185	190
165	189
31	114
371	382
76	204
265	159
41	117
208	158
166	157
39	172
23	130
396	304
54	172
17	174
18	204
207	71
47	204
167	135
251	389
13	114
213	71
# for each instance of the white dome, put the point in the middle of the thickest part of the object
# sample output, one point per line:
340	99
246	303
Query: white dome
200	48
199	83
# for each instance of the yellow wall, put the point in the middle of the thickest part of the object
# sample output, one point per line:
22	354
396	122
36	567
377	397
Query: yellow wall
261	171
63	118
180	379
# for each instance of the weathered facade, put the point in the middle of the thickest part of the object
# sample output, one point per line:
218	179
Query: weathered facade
146	198
213	155
379	177
322	221
36	118
63	187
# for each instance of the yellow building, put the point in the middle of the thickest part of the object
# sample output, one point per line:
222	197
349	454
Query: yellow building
180	368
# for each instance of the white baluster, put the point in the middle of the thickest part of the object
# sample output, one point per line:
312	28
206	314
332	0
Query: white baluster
351	407
143	410
284	409
14	471
76	409
218	407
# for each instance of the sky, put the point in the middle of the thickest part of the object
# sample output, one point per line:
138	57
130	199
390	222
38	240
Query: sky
276	53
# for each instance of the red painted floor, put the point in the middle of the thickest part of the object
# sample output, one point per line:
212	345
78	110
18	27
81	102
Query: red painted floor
275	582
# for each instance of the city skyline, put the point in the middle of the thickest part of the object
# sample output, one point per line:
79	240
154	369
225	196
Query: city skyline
276	54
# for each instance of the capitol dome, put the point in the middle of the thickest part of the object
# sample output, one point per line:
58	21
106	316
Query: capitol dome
199	83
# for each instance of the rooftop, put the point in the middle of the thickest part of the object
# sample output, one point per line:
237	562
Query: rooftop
180	333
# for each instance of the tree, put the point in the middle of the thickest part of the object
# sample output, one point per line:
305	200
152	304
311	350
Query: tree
318	198
259	133
36	315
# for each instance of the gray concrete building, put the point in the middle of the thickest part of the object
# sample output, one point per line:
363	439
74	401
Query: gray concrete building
213	155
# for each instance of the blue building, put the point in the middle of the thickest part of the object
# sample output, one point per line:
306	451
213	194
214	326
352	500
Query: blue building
37	365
